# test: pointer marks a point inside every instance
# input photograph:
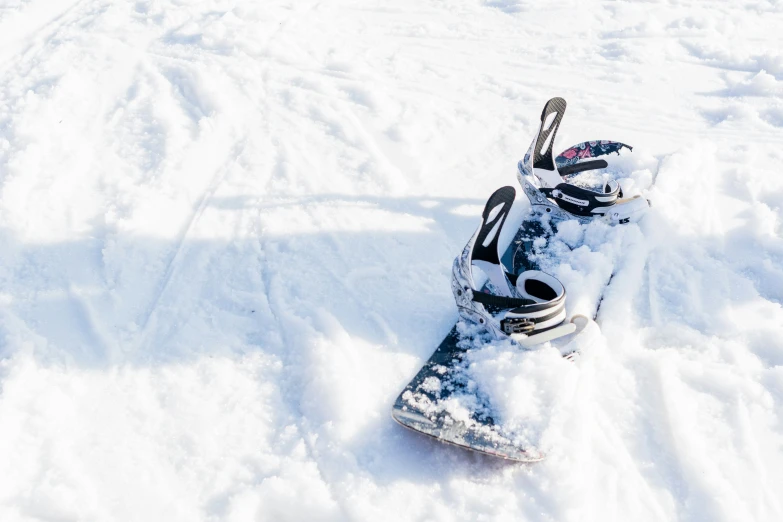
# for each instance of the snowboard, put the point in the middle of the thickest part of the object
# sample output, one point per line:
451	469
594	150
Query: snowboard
442	377
560	197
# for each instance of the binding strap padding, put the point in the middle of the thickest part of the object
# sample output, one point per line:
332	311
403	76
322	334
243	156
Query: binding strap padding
583	166
580	201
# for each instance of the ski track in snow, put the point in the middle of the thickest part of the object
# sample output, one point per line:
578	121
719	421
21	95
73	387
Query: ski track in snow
226	235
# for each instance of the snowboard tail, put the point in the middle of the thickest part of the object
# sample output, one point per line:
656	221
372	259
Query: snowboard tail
416	409
420	406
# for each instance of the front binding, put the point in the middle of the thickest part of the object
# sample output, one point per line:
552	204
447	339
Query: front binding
542	176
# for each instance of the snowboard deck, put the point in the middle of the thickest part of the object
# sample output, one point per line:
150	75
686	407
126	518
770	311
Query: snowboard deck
441	378
480	433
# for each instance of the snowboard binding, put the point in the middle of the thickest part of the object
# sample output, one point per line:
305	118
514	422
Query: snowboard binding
542	176
528	308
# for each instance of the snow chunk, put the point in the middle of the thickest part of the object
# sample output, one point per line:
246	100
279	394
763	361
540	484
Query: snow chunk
570	232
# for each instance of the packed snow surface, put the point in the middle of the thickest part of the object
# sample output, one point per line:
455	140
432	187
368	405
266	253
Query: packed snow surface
226	235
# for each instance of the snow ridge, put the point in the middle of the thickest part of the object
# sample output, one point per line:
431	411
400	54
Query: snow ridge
226	234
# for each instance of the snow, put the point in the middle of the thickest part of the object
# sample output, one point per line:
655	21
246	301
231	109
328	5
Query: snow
226	235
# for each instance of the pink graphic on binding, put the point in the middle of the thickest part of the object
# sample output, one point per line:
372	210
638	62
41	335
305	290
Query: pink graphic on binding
588	149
